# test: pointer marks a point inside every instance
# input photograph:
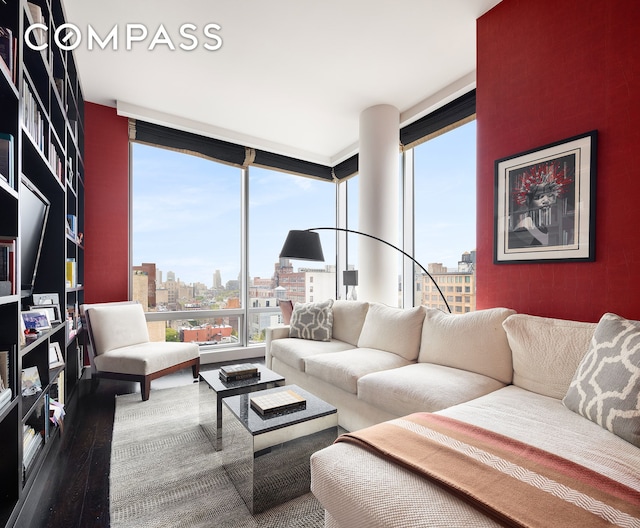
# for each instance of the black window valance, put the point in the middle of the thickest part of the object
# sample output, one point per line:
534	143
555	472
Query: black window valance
450	115
459	110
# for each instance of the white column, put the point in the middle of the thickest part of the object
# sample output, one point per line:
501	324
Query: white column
378	209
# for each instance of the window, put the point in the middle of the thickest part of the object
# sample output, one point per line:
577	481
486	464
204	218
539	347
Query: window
186	234
188	244
278	202
445	199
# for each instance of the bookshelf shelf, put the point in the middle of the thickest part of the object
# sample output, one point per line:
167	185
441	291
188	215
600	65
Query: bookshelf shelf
42	143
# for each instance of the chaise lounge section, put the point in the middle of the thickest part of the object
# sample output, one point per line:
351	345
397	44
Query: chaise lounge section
567	391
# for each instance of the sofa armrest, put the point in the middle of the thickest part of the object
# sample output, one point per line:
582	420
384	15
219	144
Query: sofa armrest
272	333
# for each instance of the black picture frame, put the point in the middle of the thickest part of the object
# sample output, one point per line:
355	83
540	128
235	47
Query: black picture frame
544	208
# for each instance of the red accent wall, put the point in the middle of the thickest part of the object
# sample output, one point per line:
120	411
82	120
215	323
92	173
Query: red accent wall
106	223
548	70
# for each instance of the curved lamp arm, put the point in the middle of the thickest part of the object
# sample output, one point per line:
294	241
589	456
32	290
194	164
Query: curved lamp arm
318	255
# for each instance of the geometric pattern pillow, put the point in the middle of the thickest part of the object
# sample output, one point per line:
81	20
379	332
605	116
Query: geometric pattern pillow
606	385
312	321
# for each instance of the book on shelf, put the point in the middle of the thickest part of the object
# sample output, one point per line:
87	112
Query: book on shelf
6	158
7	267
72	226
38	18
5	387
71	276
238	372
5	398
5	382
274	402
31	442
8	51
56	413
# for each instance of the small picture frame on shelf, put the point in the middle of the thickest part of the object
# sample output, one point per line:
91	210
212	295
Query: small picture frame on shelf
31	381
36	320
52	311
55	356
46	298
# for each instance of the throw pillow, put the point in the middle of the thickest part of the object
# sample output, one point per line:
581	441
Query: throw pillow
396	330
312	321
473	341
606	385
546	351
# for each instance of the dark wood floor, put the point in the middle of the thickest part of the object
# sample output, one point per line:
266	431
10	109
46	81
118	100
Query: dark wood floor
72	490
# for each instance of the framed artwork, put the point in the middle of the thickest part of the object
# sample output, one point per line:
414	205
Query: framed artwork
30	381
55	355
545	203
36	320
52	311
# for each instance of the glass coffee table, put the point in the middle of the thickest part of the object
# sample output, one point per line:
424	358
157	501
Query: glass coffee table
267	457
210	414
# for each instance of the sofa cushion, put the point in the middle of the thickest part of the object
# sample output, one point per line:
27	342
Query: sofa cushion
423	387
546	351
343	369
146	358
474	341
394	330
606	385
294	351
117	325
312	321
348	318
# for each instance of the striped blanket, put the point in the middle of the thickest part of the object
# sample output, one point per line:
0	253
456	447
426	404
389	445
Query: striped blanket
509	481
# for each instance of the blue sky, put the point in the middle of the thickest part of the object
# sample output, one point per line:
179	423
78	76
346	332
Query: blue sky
186	210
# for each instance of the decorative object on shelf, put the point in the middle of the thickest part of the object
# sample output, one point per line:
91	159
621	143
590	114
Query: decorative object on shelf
286	400
545	203
37	320
52	311
350	280
31	383
46	299
55	356
305	245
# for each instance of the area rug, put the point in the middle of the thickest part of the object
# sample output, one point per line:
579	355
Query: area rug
165	473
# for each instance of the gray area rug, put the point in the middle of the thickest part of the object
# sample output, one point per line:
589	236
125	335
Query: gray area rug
165	473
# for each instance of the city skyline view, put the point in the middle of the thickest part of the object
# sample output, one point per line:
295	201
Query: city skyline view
186	214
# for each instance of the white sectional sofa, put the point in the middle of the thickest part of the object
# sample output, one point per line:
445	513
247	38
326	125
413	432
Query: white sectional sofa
525	377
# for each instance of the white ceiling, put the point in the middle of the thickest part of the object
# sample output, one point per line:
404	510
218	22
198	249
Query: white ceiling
291	77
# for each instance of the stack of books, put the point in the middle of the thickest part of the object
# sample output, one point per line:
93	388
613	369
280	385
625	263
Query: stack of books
239	372
31	442
276	402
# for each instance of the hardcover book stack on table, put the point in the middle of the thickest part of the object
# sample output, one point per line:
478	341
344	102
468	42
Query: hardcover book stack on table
238	372
275	402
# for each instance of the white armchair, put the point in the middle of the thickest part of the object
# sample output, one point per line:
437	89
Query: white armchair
120	347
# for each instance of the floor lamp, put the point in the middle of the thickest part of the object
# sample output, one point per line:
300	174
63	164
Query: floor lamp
305	245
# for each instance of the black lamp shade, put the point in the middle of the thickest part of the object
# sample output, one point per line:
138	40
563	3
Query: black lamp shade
302	245
350	277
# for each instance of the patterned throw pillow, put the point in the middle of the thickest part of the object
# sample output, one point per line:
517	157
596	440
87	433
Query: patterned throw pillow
606	385
312	321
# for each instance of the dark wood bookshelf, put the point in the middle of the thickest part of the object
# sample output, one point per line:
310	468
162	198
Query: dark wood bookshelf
42	110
